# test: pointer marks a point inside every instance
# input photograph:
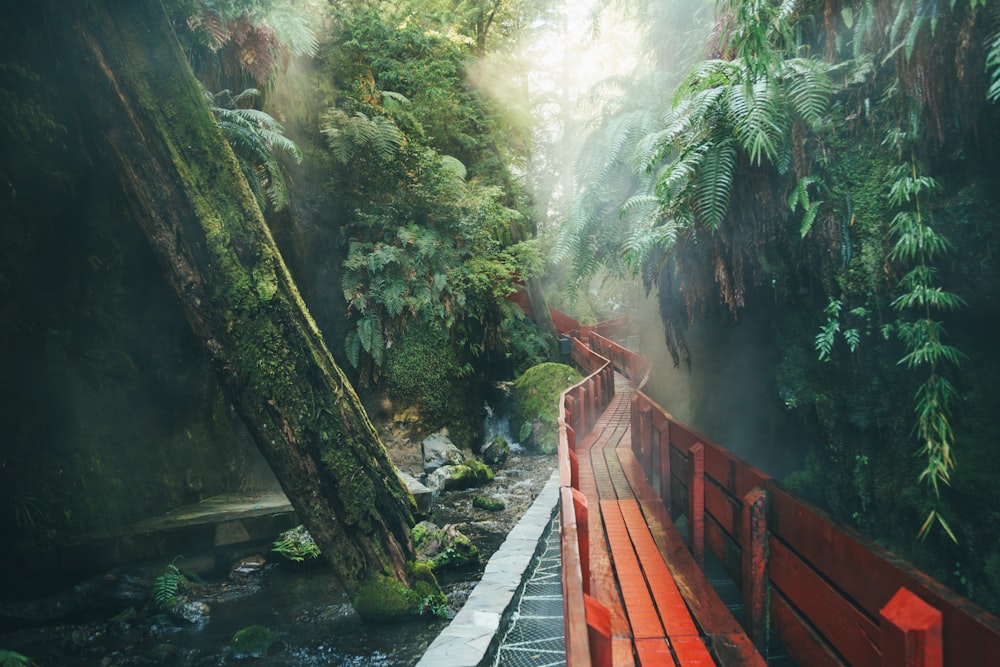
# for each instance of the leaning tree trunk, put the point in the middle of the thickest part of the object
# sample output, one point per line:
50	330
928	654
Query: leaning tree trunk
186	192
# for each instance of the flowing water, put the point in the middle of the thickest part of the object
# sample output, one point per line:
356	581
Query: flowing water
311	618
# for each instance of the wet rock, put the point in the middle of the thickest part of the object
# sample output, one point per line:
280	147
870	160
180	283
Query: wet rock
195	612
438	450
443	547
421	493
497	451
252	642
247	566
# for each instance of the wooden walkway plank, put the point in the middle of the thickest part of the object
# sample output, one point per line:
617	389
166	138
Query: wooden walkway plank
673	611
654	652
642	613
730	644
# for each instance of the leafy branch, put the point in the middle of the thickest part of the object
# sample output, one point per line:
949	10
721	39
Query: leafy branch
918	244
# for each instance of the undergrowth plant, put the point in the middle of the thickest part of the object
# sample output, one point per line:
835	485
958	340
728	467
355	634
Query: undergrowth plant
167	585
296	544
917	245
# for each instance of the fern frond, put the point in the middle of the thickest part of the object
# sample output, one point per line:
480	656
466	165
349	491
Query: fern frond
714	183
755	119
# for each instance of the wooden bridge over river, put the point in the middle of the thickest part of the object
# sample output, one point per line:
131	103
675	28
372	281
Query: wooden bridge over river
634	587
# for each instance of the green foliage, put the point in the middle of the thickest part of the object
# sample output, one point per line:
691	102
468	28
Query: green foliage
167	585
917	245
257	140
244	42
800	197
826	337
14	659
296	544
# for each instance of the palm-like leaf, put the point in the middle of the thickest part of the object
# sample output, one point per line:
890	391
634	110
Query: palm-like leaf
714	183
352	135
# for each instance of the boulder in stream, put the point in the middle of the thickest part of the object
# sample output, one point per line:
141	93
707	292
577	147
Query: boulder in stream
438	450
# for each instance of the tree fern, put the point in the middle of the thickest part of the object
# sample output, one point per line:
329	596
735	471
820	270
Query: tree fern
256	139
353	135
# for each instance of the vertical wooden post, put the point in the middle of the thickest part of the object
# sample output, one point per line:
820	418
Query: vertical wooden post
599	393
598	631
755	587
911	632
574	469
582	512
591	404
666	492
635	405
696	502
570	437
644	435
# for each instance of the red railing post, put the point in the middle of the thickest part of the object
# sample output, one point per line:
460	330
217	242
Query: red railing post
666	492
911	632
696	503
574	469
645	435
754	561
591	405
582	513
598	631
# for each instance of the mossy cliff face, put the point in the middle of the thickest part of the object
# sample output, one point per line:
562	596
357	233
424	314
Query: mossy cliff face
424	369
185	191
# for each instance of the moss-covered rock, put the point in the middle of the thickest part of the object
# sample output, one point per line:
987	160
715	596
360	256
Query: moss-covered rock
252	642
535	404
385	599
468	475
497	451
488	504
443	547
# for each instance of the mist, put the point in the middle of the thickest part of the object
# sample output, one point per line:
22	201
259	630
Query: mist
575	72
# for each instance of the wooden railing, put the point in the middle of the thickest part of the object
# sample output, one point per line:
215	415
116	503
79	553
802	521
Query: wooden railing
833	597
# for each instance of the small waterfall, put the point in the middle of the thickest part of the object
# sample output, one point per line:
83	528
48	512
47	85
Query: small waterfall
497	424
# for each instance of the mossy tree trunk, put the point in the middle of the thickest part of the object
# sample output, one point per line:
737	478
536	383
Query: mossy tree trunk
154	132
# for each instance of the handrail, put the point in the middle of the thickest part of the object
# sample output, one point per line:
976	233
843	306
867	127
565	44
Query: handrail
833	596
826	590
579	408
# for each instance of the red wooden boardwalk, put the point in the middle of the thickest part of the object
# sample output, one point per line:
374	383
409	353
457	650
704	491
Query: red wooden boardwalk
634	591
629	539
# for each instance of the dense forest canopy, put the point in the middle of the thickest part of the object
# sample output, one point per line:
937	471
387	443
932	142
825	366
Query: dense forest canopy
823	172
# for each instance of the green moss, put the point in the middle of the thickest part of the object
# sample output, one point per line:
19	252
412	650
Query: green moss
488	504
469	474
385	599
459	552
535	403
426	370
251	642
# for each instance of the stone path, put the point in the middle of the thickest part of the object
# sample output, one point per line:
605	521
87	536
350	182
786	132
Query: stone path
475	632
